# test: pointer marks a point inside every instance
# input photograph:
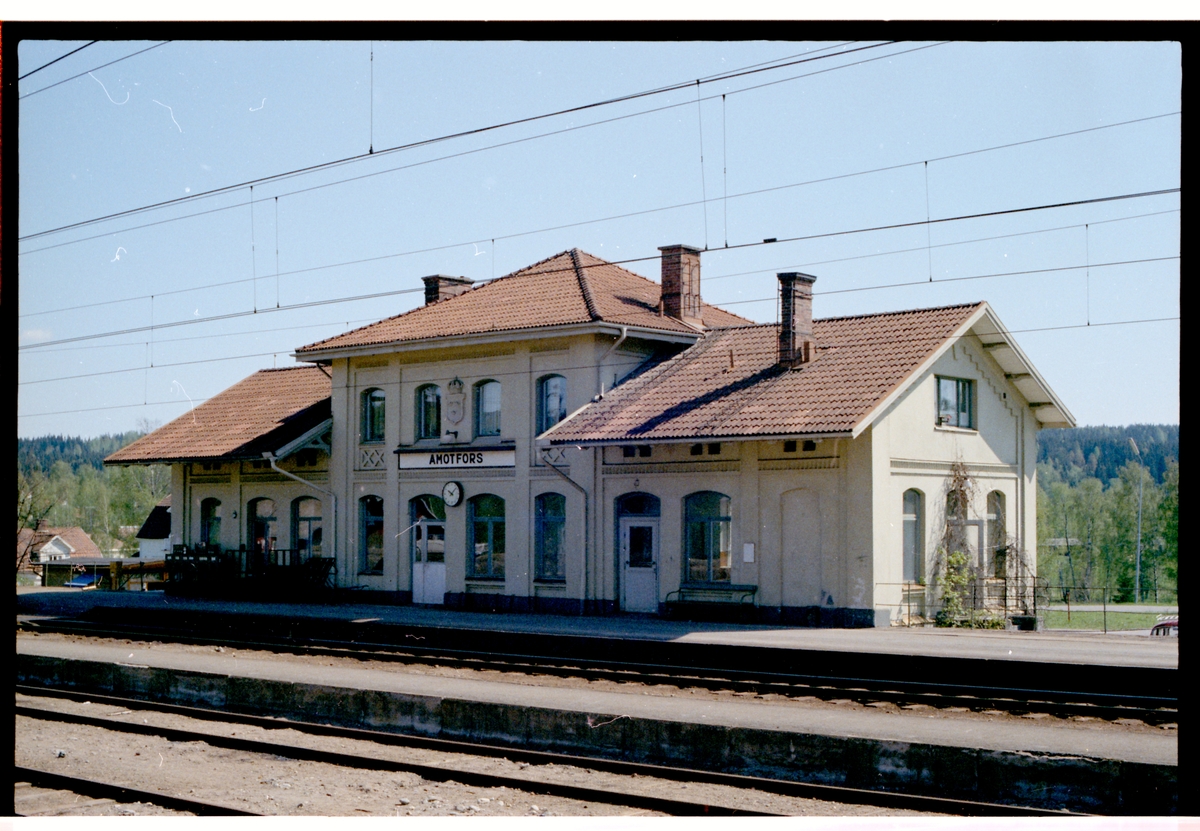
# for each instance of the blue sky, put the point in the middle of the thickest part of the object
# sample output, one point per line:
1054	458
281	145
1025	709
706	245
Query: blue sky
858	136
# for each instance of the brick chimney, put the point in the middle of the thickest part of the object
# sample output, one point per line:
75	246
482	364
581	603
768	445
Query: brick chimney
796	325
440	287
681	283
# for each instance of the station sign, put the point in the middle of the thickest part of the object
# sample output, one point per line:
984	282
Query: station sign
453	458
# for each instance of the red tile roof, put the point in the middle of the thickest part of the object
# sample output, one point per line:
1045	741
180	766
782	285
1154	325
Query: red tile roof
259	413
571	287
729	384
74	536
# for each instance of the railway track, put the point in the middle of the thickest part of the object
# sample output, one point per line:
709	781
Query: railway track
458	773
39	793
405	645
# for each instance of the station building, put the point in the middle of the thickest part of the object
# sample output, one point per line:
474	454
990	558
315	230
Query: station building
576	438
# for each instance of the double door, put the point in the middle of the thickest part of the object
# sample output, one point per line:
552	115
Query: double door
429	562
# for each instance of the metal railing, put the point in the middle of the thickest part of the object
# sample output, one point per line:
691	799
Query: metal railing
282	568
1001	602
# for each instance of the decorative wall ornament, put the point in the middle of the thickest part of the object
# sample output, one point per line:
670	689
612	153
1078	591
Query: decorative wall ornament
456	401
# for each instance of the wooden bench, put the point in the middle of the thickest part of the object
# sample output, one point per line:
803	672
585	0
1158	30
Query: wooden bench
707	601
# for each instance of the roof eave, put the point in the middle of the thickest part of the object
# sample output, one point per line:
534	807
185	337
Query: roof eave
502	336
1048	410
542	441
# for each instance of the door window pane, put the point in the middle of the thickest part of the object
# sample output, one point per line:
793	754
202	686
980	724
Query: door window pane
641	546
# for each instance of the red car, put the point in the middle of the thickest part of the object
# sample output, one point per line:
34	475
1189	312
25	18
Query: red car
1168	627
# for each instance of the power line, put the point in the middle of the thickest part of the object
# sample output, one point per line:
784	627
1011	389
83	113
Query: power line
56	60
224	335
610	218
372	174
731	303
1063	327
961	279
228	316
438	139
939	245
194	401
93	69
773	241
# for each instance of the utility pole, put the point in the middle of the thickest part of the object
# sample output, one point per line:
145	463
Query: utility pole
1137	574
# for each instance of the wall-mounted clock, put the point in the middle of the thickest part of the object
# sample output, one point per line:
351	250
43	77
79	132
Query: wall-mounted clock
452	494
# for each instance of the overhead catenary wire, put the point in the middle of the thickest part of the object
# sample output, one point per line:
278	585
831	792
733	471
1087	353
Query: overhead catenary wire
447	137
56	60
93	69
1031	330
321	186
739	246
1022	272
973	240
610	218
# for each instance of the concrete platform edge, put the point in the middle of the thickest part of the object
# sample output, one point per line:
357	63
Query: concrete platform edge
1072	783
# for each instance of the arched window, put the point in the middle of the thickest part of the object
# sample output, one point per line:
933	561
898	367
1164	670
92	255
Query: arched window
370	535
552	401
997	534
307	536
549	521
706	537
485	536
260	517
372	416
638	504
429	412
487	408
914	536
210	521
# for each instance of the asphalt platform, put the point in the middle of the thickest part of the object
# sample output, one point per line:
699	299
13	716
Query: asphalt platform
1058	647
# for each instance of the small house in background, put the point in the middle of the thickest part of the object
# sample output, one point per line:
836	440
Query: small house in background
154	538
36	549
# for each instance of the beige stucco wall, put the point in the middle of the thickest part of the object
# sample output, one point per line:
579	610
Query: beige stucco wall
912	451
586	361
236	484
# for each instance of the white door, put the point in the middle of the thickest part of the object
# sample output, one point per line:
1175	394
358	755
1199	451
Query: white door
639	564
429	562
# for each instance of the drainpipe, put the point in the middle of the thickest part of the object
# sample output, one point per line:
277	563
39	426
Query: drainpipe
587	533
270	457
611	349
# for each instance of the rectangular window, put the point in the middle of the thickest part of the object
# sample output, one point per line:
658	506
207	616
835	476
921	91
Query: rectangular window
550	518
370	535
956	402
485	536
487	408
628	451
707	538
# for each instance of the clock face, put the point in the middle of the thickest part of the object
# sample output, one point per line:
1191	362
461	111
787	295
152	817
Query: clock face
451	493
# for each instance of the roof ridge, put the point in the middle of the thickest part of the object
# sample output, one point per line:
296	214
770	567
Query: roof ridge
974	305
583	285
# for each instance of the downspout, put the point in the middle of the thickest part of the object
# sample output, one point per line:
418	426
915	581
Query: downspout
270	457
611	349
587	533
